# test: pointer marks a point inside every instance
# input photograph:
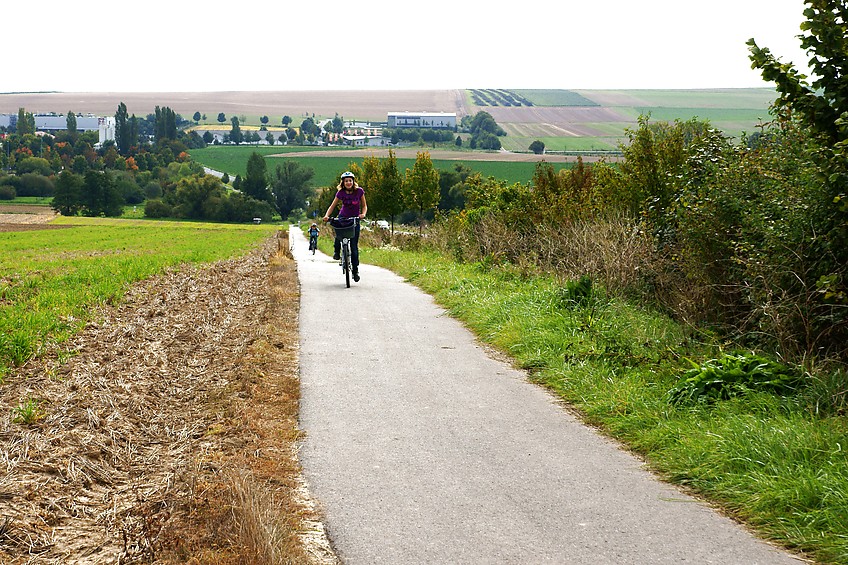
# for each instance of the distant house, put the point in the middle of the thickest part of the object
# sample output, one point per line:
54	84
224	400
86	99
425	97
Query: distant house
105	126
432	120
363	140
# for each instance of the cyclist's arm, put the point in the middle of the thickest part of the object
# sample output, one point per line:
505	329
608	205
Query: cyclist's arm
330	209
363	207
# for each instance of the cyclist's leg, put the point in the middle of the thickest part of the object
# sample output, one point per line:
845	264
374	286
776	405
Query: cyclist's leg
354	249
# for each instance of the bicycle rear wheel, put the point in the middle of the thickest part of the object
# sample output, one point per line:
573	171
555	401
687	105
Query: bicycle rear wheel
346	262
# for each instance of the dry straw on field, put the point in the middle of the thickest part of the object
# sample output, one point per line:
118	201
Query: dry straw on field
170	433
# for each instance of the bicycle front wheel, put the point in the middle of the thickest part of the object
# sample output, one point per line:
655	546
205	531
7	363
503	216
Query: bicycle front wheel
346	263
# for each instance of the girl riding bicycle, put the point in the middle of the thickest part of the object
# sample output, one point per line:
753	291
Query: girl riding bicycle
313	236
351	196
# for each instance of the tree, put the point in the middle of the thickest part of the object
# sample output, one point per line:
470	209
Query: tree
421	185
290	186
286	121
100	196
122	130
269	138
198	197
264	120
222	117
822	109
165	124
26	122
71	124
537	147
255	183
389	199
196	117
67	196
235	132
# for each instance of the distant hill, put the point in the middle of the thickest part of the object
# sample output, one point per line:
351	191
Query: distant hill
562	119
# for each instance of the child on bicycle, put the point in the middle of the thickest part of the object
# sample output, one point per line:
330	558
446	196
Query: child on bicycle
313	236
351	196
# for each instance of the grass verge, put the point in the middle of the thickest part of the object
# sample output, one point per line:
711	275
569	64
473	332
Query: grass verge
769	461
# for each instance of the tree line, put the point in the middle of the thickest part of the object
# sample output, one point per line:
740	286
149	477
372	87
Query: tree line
746	238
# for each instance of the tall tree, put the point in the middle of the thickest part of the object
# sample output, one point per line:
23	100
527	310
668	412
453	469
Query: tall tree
290	186
255	184
71	124
67	195
122	130
422	185
100	196
26	122
822	108
235	132
389	197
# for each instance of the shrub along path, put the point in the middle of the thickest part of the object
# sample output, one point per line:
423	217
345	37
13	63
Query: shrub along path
424	448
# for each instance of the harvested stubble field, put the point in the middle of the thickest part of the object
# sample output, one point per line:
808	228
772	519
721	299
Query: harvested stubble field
165	431
352	104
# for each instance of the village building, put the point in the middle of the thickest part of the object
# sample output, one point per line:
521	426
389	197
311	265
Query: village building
105	126
432	120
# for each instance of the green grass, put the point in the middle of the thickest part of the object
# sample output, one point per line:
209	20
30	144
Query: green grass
555	98
513	143
233	160
731	98
28	201
50	280
765	459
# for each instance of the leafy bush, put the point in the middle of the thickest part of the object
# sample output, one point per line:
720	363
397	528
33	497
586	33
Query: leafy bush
32	184
7	192
157	209
577	292
733	375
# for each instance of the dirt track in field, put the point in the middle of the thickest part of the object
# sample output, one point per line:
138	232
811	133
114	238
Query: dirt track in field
22	217
165	430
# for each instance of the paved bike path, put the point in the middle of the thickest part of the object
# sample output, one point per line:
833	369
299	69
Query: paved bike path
421	448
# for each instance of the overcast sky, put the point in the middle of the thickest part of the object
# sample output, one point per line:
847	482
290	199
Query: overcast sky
188	45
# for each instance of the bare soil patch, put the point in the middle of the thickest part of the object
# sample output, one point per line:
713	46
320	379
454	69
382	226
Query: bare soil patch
166	429
352	104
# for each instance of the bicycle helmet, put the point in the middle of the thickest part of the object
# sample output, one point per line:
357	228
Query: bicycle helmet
347	175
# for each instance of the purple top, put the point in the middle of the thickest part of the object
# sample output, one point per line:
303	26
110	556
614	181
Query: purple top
350	202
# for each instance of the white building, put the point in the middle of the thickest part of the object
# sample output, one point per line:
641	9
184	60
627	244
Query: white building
432	120
59	122
106	129
105	126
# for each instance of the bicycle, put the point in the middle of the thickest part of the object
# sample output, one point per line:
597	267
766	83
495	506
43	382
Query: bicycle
313	243
345	229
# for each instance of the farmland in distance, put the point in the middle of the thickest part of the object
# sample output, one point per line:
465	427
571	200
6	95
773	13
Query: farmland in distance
565	120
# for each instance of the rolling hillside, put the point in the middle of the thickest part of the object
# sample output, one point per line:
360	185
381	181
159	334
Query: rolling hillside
562	119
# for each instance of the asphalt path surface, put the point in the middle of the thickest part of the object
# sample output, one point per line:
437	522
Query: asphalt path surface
421	447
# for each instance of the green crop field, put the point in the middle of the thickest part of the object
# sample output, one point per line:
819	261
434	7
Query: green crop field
51	279
555	98
233	161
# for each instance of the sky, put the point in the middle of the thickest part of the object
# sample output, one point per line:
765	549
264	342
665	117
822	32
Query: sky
267	45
